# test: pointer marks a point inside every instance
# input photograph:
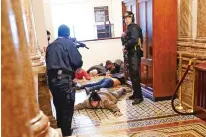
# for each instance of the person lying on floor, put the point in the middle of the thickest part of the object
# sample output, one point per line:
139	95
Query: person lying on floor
110	81
101	70
80	73
116	67
103	99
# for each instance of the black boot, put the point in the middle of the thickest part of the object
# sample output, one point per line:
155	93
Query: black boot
70	133
131	97
137	101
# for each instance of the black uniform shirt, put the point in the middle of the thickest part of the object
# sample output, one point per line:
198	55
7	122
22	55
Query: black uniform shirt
133	33
62	54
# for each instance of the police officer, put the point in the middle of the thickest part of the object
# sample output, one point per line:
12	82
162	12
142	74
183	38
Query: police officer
131	41
62	59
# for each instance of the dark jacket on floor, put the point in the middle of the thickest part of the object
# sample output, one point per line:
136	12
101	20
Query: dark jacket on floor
100	68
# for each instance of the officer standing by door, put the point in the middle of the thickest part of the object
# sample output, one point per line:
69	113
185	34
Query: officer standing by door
132	41
62	59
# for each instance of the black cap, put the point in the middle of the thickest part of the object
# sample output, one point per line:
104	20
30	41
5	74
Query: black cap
63	31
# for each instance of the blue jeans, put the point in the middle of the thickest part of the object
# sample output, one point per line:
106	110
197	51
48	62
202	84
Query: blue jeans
104	83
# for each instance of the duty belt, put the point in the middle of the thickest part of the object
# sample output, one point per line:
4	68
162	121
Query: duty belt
58	73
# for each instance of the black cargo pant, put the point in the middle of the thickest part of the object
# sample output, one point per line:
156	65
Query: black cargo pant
134	62
64	99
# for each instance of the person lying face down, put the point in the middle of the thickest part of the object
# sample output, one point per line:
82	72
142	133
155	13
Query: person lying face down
116	67
80	73
111	81
102	99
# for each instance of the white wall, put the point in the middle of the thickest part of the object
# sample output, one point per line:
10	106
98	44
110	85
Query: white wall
51	12
100	51
116	11
48	18
39	21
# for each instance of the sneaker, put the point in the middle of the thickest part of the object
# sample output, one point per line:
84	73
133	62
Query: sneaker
124	91
78	86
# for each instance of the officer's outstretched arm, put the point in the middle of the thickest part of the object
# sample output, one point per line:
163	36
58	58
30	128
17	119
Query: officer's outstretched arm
75	58
133	40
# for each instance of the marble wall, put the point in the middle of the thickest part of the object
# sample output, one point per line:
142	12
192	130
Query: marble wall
191	39
20	111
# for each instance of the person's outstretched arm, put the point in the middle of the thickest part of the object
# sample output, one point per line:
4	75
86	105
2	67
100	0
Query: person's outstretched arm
80	106
113	107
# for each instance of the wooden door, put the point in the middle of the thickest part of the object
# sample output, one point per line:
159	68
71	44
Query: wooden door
144	19
149	37
124	9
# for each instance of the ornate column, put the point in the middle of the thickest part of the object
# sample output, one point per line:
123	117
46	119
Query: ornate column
185	20
15	110
20	111
34	49
201	21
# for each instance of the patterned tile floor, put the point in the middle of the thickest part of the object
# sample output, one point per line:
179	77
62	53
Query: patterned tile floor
188	130
148	119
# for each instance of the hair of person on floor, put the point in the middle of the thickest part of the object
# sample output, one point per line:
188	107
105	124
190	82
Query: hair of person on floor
94	97
109	64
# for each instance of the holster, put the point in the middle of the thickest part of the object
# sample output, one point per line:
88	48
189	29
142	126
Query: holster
139	51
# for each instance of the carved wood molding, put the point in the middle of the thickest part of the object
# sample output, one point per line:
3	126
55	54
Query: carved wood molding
190	50
182	39
192	44
188	56
200	39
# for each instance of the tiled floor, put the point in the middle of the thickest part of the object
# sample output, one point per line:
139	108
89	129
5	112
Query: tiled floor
148	119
